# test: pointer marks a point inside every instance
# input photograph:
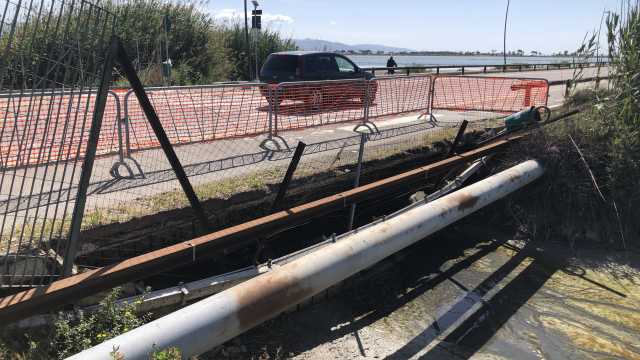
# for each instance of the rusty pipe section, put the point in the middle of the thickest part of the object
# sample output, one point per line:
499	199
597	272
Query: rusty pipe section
214	320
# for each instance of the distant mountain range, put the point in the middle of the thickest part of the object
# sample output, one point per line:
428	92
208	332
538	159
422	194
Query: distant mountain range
323	45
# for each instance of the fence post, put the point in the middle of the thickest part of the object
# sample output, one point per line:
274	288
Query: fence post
356	182
367	99
432	91
126	121
284	185
121	150
87	164
271	98
277	109
456	141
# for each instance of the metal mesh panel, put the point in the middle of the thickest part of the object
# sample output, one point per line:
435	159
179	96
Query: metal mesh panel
37	128
52	57
314	103
397	95
198	113
489	94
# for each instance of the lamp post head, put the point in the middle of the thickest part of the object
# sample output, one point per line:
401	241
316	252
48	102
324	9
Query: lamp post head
255	3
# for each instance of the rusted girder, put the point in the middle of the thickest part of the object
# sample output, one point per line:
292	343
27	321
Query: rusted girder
58	293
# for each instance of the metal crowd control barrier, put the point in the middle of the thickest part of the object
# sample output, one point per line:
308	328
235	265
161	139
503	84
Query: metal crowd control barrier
305	104
193	114
487	94
29	140
55	81
397	95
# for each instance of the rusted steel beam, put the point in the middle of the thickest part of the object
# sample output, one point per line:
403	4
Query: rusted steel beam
58	293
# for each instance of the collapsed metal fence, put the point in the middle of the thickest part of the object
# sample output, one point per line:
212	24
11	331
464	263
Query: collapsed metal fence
52	62
221	136
36	128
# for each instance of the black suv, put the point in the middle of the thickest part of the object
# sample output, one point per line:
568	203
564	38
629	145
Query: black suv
306	66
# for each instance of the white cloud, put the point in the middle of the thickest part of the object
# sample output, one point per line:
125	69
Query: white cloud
277	18
235	15
333	22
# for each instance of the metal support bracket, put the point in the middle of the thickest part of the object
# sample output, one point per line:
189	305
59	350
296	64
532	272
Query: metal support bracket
90	155
365	130
163	139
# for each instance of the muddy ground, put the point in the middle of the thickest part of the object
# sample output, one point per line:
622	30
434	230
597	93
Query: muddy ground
474	290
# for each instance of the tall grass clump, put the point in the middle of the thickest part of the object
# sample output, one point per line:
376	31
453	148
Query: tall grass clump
201	49
591	190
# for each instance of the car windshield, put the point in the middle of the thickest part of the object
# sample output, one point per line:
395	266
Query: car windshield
280	64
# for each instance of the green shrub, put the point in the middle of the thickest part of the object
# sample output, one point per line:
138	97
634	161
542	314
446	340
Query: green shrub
108	321
167	354
591	191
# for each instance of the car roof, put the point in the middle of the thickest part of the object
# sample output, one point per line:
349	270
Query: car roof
304	53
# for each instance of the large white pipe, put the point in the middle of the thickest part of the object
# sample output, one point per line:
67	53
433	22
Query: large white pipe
214	320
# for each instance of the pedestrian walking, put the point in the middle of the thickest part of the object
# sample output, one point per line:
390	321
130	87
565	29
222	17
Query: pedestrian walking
391	65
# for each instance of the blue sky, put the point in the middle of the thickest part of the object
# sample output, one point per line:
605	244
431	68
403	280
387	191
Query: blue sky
540	25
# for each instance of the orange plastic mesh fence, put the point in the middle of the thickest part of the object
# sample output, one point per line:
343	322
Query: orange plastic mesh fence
199	113
51	126
206	113
397	95
491	94
307	104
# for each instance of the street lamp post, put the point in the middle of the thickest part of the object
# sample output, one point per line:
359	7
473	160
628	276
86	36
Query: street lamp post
504	45
246	38
256	32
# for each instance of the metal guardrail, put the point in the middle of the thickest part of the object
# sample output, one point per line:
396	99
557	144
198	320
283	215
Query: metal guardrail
485	68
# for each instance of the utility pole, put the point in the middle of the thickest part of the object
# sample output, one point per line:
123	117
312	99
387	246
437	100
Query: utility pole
246	39
504	47
256	25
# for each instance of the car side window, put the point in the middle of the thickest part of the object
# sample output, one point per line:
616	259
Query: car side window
344	65
322	64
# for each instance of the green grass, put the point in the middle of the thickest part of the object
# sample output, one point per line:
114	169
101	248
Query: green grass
259	180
